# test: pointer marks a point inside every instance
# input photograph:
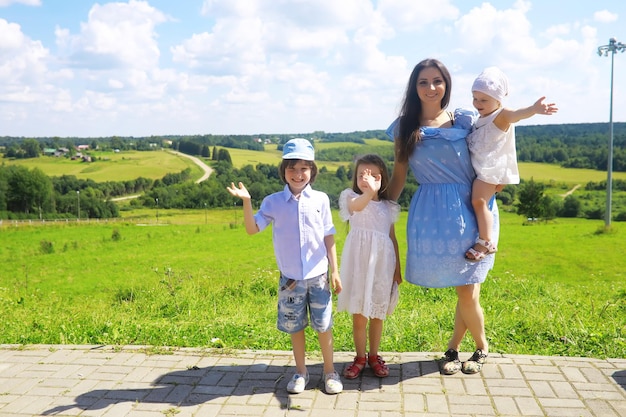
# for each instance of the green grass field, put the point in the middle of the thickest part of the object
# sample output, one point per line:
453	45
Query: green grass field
553	173
196	279
110	166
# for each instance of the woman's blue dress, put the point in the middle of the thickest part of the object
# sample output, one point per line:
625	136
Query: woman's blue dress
441	225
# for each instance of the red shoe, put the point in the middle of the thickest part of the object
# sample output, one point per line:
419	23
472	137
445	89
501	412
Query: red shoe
378	366
354	370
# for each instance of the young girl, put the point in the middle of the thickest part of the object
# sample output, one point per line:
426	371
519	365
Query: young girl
492	148
370	264
304	245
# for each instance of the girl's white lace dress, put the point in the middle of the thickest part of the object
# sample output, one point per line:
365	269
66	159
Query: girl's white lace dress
368	259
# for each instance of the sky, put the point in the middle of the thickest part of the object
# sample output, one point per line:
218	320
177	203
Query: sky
79	68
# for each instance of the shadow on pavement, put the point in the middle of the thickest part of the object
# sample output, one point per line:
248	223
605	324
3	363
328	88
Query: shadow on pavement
200	385
620	378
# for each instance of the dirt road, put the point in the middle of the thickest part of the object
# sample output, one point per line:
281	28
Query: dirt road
207	169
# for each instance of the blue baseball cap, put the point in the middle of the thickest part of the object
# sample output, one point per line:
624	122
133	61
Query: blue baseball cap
298	149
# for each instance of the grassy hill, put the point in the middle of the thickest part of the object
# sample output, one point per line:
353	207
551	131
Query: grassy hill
111	166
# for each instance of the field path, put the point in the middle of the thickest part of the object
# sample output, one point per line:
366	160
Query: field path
207	173
207	169
571	191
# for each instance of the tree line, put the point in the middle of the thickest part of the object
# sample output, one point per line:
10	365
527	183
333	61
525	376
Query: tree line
581	145
31	194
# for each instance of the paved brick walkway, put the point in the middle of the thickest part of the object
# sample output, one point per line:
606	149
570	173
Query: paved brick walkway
103	381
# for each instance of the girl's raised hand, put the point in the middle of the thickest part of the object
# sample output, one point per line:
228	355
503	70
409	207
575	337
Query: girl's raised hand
241	192
373	182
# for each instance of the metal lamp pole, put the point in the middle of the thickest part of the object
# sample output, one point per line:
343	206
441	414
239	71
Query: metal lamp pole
612	47
78	201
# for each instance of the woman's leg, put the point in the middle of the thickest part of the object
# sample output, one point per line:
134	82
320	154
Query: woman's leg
469	316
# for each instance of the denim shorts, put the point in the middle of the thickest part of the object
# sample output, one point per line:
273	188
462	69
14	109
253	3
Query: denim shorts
299	299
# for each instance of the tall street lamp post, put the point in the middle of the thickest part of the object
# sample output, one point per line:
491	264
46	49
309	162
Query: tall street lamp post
612	47
157	209
78	204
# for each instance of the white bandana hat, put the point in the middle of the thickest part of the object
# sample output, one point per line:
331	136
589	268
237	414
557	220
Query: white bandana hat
492	82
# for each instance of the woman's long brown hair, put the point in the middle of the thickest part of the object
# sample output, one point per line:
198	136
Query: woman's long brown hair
410	112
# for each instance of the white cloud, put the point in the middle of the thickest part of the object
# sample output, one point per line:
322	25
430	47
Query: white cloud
7	3
23	63
246	66
416	15
116	35
604	16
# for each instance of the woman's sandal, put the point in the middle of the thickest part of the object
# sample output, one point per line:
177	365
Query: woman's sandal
475	363
451	363
355	368
377	364
474	255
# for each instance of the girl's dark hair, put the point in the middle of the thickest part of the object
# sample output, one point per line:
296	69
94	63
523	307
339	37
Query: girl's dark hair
290	163
408	130
376	160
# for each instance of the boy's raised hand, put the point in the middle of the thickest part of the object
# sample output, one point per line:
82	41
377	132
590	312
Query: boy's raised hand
241	192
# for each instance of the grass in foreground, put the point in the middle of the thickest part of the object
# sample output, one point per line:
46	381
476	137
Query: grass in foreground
208	284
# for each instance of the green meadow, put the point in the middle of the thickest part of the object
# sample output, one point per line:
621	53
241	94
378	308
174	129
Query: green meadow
111	166
197	279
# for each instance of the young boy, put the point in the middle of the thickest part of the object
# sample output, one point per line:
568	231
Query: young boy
304	245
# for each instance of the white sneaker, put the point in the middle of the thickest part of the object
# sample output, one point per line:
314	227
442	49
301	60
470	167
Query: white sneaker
333	383
298	383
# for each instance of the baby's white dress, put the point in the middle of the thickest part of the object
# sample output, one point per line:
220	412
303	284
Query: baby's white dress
493	151
368	259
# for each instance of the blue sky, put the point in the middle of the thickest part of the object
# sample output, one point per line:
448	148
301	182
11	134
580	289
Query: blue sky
160	67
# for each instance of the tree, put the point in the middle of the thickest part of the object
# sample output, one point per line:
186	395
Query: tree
341	173
31	148
571	207
224	155
28	191
530	196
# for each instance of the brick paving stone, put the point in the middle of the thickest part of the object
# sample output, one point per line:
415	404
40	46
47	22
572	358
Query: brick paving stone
102	381
564	389
567	412
510	371
414	402
528	407
542	389
436	404
601	408
620	407
475	387
505	406
594	375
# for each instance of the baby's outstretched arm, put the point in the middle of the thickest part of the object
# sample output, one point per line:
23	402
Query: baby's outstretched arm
248	214
544	108
508	116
